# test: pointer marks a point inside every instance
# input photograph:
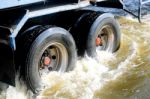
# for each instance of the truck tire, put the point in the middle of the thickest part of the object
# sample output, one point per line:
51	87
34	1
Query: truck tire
104	35
52	50
81	29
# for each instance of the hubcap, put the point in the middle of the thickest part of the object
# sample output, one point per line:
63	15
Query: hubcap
99	41
47	61
54	58
105	38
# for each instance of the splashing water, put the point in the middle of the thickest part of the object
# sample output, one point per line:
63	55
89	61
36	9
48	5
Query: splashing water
121	75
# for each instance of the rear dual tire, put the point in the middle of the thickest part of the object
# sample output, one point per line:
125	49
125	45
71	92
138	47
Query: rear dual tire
107	29
89	28
54	44
59	47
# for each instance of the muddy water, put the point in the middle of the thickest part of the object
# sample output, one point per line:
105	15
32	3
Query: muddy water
122	75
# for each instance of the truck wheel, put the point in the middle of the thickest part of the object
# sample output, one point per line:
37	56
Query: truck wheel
53	50
104	35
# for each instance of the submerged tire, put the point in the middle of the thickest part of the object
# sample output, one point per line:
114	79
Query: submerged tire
104	35
52	50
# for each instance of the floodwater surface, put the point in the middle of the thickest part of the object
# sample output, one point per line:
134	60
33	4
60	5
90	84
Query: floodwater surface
121	75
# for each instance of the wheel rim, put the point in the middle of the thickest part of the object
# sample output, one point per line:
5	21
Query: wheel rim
53	58
105	38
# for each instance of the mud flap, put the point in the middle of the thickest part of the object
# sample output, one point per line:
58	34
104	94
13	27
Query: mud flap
7	69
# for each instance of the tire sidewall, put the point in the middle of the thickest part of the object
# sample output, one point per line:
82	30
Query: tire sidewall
96	27
54	34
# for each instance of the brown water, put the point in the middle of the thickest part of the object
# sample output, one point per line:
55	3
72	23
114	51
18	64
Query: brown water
122	75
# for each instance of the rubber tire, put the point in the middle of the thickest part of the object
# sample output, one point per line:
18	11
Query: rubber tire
81	29
104	19
31	67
